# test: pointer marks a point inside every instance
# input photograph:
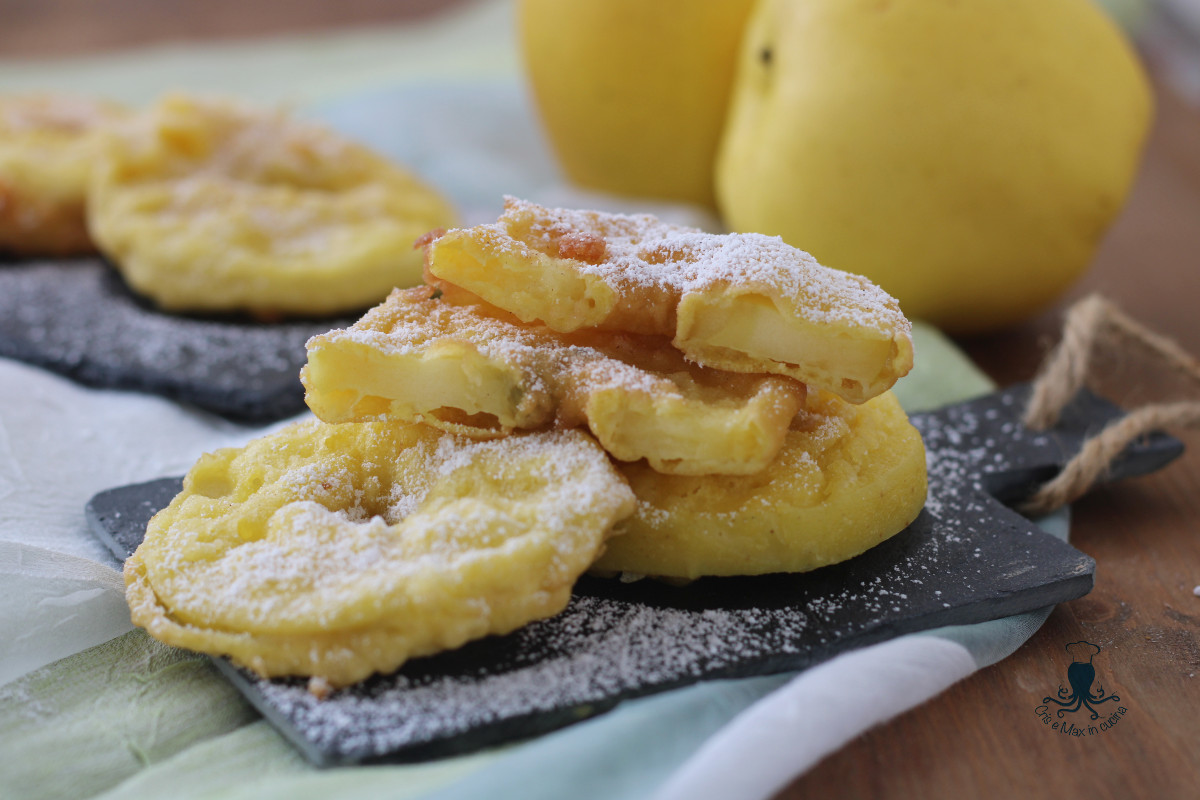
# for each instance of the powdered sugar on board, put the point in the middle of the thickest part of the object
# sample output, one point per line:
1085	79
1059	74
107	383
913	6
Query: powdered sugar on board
966	559
76	318
597	650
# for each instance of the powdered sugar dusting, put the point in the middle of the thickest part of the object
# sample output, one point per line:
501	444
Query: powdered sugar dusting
330	520
965	444
642	251
410	324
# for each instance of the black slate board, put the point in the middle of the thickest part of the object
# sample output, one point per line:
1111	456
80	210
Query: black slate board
967	558
77	318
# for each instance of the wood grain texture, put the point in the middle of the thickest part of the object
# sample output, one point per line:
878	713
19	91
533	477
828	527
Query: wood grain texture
48	28
982	738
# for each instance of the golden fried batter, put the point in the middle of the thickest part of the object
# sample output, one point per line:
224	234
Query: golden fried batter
480	372
848	477
336	551
739	302
47	146
206	205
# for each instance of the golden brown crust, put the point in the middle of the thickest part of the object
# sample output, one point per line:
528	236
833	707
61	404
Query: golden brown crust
48	144
33	226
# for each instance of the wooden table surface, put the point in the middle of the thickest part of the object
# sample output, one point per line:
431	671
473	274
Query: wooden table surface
982	738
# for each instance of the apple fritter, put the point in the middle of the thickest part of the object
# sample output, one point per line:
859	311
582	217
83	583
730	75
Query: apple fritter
480	372
206	205
739	302
847	478
48	144
336	551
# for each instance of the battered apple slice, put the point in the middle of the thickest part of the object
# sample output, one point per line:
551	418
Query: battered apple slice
336	551
740	302
480	372
206	205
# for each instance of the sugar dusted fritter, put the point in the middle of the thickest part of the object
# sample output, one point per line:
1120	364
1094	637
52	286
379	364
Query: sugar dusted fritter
421	512
48	144
206	205
740	302
478	371
336	551
847	478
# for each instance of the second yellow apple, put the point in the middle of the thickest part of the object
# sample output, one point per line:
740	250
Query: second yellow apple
966	156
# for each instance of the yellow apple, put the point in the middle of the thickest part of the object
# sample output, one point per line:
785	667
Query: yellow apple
967	155
633	93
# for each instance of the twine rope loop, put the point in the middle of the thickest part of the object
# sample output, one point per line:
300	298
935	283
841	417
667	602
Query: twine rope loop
1093	323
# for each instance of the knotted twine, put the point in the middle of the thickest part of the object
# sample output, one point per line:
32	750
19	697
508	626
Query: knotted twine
1091	324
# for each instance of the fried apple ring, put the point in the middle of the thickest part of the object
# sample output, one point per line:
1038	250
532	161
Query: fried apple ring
337	551
206	205
47	146
847	478
482	373
739	302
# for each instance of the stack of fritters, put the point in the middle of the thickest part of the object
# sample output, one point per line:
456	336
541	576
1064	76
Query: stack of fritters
741	387
717	405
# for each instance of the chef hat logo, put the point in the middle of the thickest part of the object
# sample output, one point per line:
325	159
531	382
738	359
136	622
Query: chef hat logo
1082	651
